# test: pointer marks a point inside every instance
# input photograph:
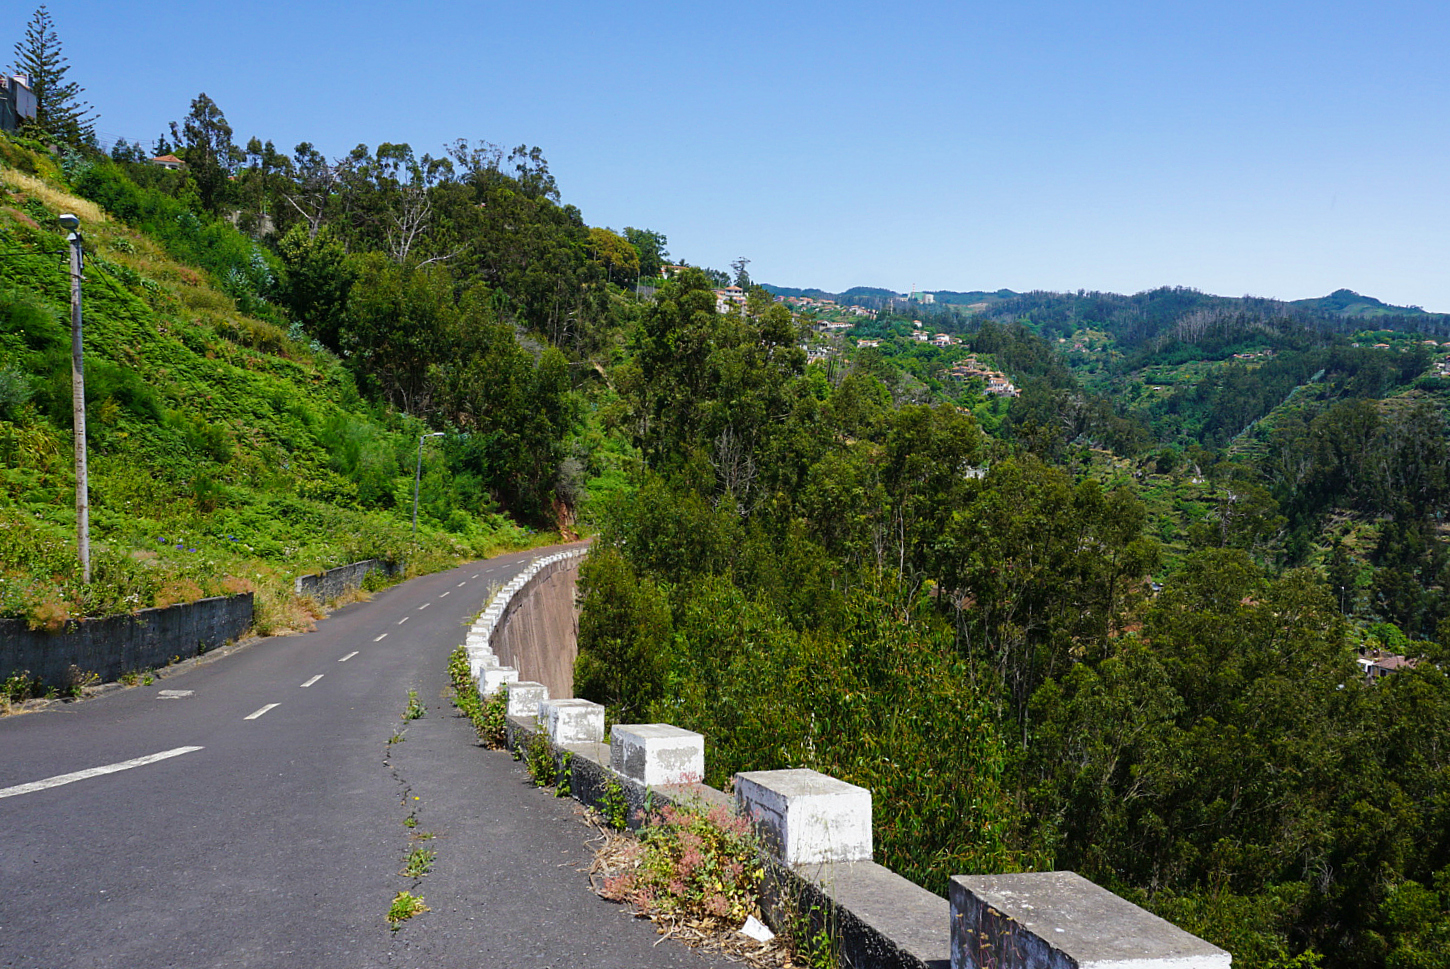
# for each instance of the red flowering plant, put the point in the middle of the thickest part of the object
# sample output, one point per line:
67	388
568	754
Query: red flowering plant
691	864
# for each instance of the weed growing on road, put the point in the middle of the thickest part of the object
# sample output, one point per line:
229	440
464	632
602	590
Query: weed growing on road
486	715
564	777
414	710
539	759
405	906
410	822
17	688
135	677
396	738
612	805
419	863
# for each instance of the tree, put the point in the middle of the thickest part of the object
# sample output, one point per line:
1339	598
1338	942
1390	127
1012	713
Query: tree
59	111
651	248
742	278
618	257
211	157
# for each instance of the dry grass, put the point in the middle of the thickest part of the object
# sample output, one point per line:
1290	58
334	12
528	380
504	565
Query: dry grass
53	197
616	853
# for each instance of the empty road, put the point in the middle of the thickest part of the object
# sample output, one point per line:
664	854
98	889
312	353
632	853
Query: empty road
258	811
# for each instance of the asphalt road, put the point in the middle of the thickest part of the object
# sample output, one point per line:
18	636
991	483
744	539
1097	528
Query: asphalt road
274	833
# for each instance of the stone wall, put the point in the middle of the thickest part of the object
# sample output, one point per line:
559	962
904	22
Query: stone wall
118	644
323	586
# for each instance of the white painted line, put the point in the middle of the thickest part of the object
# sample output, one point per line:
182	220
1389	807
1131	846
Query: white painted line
475	575
172	694
403	620
253	716
448	593
354	652
424	606
312	681
82	775
378	639
464	583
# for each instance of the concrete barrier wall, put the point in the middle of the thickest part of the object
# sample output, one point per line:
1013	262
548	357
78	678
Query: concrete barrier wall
109	647
529	631
323	586
538	633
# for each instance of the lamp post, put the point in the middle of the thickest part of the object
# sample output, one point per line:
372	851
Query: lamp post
78	397
418	478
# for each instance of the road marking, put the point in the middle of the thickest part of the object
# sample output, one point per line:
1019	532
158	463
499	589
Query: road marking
475	575
464	583
312	681
172	694
403	620
448	593
354	652
253	716
424	606
377	639
81	775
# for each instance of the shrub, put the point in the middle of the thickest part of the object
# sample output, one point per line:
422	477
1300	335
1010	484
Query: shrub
539	759
692	864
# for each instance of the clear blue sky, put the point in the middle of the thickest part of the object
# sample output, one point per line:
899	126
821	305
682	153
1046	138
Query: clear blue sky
1271	148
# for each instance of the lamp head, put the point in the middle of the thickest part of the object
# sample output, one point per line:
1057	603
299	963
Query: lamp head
70	222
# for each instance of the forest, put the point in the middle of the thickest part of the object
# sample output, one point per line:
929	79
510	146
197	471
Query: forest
1109	624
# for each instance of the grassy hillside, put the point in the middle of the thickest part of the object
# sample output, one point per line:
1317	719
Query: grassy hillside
225	454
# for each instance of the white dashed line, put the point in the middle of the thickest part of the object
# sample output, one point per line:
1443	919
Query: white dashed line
172	694
448	593
312	681
378	639
253	716
424	606
475	576
354	652
464	583
403	620
82	775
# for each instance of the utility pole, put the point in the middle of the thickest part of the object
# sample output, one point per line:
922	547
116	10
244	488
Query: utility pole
78	397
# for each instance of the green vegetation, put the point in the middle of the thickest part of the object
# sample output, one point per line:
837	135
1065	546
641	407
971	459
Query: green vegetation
230	448
415	709
405	905
419	862
828	566
487	716
539	761
613	808
692	864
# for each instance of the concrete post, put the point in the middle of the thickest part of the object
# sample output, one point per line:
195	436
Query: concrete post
657	753
806	817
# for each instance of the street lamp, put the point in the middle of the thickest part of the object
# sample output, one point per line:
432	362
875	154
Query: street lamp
418	477
78	397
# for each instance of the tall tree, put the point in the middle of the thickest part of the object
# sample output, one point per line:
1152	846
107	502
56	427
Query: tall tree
211	156
59	111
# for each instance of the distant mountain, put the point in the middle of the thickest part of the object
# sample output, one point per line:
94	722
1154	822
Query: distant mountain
1346	302
968	299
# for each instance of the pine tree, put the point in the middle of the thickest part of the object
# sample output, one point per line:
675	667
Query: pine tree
59	110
